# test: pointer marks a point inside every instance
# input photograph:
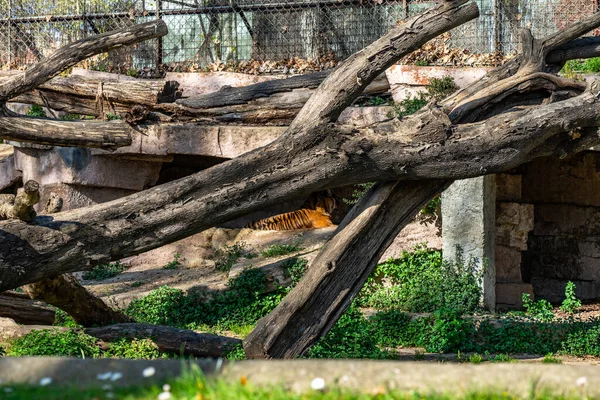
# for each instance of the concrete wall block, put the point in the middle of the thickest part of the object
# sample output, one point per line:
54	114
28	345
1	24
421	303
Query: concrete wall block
508	264
78	166
566	219
8	173
590	247
75	196
574	180
468	223
509	295
509	187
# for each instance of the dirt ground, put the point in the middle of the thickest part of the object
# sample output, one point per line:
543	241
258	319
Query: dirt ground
198	255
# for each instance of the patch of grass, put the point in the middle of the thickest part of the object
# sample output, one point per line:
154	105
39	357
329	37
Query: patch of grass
440	88
476	359
409	105
228	255
174	264
503	358
276	250
194	385
550	359
104	271
36	111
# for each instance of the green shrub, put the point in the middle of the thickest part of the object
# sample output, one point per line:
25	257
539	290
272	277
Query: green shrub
163	306
70	117
104	271
36	111
228	255
550	359
421	281
136	349
582	342
174	264
112	117
571	303
440	88
540	309
409	105
61	318
54	343
280	250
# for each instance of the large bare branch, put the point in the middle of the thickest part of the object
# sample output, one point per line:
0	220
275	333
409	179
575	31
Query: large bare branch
81	238
71	54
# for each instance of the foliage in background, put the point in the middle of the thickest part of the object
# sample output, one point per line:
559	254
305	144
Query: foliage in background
54	343
36	111
173	264
358	192
104	271
437	89
421	281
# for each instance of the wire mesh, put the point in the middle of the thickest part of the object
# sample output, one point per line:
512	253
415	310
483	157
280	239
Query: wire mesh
208	32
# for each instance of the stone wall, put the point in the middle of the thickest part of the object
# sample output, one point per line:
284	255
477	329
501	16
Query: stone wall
564	244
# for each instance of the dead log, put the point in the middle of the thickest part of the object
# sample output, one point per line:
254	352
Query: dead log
88	95
25	311
11	332
338	273
70	133
169	339
81	238
21	205
66	293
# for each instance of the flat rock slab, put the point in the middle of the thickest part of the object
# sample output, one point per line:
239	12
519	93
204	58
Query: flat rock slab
297	375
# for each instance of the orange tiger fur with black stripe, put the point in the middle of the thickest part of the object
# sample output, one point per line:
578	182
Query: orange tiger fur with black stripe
315	213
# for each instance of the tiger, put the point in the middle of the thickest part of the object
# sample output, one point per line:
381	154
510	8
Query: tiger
315	213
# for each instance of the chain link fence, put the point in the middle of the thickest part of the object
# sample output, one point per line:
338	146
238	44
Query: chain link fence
208	32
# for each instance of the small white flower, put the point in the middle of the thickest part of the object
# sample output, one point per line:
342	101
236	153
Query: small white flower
115	376
104	376
164	396
45	381
166	387
148	372
581	381
8	390
318	384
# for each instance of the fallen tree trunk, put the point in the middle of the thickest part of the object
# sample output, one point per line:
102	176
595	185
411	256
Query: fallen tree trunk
23	310
11	332
70	133
82	238
66	293
88	95
168	339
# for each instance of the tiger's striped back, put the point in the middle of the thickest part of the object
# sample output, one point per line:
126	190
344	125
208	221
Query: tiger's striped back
315	213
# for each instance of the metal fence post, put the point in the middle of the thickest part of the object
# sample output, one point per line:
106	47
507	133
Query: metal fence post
159	41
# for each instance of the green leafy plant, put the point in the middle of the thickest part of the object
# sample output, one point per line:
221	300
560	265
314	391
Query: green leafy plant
112	117
54	343
571	303
137	284
104	271
280	250
36	111
137	349
540	309
133	73
61	318
70	117
550	359
228	255
358	192
409	105
173	264
476	359
440	88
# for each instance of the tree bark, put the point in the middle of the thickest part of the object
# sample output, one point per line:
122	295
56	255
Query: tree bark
25	311
66	293
82	238
335	278
168	339
340	270
88	95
